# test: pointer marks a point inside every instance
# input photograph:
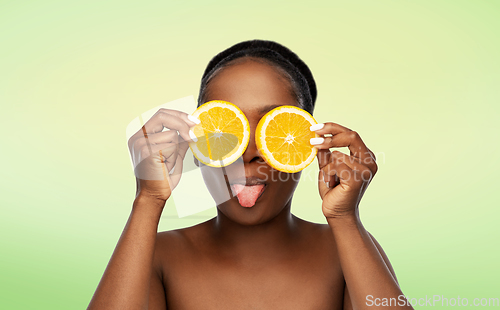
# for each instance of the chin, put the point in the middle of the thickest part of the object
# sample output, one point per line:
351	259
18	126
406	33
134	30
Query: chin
259	213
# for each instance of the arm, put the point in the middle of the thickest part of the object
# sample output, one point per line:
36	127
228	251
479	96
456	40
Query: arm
157	297
343	180
125	283
347	297
365	271
384	257
130	280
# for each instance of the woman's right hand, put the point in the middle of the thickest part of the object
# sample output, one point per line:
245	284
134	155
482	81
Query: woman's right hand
158	155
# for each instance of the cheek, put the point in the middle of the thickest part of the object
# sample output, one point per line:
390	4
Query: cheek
285	179
283	185
215	183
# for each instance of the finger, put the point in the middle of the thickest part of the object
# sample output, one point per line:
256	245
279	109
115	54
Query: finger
344	173
163	157
323	157
350	139
173	119
329	128
175	175
189	119
168	156
183	147
338	168
146	151
167	153
322	185
175	160
360	172
168	136
169	119
166	169
356	163
148	141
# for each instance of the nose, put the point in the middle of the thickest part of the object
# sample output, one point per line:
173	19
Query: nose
251	153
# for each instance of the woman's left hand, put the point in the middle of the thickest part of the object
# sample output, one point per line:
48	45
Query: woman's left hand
343	179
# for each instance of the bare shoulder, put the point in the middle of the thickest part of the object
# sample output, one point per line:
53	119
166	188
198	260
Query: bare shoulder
318	235
316	229
182	235
173	244
318	246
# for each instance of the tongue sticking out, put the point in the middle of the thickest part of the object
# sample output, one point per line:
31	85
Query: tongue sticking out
247	195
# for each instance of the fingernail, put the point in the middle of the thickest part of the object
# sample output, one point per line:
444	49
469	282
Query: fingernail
192	136
172	170
316	141
194	119
316	127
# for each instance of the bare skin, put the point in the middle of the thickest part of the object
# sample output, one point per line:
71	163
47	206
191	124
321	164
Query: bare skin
261	257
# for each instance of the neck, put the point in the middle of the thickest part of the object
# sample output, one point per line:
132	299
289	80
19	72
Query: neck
255	240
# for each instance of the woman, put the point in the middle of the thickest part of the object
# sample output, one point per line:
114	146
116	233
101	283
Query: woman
261	257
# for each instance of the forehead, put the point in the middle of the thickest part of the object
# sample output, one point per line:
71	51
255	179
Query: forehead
255	87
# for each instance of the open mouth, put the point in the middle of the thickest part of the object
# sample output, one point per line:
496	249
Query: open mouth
248	192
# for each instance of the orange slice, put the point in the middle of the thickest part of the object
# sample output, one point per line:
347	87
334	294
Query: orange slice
223	133
282	136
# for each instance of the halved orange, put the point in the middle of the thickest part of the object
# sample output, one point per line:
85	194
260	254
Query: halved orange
283	138
223	133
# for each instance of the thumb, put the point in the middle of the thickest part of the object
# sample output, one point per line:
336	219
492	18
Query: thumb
174	176
323	157
322	185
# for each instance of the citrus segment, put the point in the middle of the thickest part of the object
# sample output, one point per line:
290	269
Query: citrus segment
283	136
223	133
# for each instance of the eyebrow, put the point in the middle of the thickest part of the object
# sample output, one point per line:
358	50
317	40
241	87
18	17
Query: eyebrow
267	108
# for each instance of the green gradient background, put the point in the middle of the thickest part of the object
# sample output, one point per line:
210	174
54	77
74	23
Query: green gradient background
418	80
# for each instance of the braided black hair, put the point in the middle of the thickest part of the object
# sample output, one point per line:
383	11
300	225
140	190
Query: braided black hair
275	54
